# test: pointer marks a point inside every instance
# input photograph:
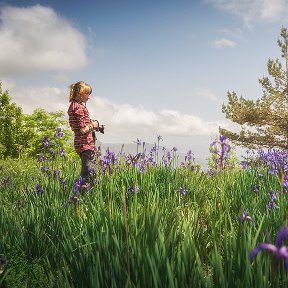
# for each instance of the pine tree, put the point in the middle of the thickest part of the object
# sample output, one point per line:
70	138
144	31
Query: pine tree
264	122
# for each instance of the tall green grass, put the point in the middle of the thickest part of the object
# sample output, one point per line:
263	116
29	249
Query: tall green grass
155	237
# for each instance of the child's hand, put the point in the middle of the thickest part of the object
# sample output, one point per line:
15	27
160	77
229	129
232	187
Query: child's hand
95	124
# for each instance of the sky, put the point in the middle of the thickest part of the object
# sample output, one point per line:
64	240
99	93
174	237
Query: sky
157	67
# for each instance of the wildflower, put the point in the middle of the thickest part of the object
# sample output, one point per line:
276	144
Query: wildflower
245	216
245	164
211	172
81	185
110	157
56	173
42	157
39	189
133	188
48	171
63	182
73	199
150	158
62	152
256	188
281	252
221	153
138	142
174	149
53	153
154	148
272	203
189	156
182	190
46	141
285	181
59	133
277	161
168	158
130	159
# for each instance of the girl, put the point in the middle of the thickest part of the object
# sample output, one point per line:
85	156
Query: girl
82	126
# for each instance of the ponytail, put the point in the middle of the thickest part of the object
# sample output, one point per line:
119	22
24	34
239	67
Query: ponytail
77	89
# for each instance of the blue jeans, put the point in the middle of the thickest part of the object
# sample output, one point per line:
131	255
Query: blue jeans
87	163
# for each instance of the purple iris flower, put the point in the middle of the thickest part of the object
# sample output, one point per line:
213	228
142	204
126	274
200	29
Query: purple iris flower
285	181
182	190
222	138
189	156
53	153
63	182
221	153
56	173
133	188
245	164
62	152
80	185
211	172
138	142
39	189
257	188
272	202
159	137
73	199
245	216
280	251
46	140
42	157
277	161
108	161
174	149
59	133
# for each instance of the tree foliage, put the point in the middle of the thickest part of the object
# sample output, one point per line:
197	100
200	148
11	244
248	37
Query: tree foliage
264	122
22	134
40	124
10	125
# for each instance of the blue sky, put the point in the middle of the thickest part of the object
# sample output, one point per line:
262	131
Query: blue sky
156	67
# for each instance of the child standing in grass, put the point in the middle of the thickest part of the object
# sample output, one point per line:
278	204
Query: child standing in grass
82	126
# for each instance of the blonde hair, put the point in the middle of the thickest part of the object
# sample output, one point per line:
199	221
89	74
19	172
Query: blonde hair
77	89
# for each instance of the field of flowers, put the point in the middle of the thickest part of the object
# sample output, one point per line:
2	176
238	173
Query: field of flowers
145	221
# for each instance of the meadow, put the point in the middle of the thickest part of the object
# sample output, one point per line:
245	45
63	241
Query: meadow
144	221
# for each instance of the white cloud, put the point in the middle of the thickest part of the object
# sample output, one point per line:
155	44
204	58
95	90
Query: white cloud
121	119
37	39
127	119
254	10
124	123
236	32
223	42
48	98
207	93
7	84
